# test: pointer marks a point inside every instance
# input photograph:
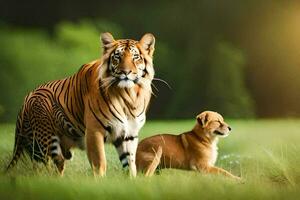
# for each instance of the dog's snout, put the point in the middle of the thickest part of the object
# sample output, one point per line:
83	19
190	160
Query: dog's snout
229	128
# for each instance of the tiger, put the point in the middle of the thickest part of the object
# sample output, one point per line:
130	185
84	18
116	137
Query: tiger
104	102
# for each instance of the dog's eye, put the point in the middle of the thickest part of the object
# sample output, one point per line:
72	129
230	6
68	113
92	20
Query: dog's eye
220	123
217	122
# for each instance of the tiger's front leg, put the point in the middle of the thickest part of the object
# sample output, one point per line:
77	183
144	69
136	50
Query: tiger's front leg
132	147
126	148
96	152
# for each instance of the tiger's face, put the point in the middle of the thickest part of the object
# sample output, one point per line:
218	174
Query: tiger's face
128	62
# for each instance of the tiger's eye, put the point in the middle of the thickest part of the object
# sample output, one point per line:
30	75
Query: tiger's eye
136	56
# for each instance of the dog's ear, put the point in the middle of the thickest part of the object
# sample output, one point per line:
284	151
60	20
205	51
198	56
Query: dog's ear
202	119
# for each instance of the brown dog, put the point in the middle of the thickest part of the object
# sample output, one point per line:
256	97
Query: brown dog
193	150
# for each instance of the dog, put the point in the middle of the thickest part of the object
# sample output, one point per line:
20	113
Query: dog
193	150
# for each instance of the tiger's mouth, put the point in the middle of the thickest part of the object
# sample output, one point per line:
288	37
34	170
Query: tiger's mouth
126	82
128	79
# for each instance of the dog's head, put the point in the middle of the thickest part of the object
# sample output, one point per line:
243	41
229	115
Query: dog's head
213	124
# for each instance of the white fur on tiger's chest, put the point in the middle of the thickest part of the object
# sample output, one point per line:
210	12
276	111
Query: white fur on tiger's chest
129	127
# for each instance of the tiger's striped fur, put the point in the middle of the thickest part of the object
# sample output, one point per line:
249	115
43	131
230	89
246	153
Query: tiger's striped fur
105	101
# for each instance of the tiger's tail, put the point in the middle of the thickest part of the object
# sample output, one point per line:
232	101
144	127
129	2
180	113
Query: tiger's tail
16	155
155	162
18	149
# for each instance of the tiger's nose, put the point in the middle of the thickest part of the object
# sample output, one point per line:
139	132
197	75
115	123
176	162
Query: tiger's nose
126	72
229	128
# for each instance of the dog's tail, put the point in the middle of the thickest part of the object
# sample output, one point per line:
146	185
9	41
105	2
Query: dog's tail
155	162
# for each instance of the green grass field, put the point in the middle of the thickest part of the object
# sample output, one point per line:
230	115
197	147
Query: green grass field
266	153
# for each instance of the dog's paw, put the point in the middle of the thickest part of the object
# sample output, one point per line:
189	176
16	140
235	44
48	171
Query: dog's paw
239	179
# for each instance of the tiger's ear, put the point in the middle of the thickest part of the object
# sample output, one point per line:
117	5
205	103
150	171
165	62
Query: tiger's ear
107	40
202	119
147	42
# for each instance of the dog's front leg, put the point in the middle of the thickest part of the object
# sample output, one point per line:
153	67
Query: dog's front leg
217	170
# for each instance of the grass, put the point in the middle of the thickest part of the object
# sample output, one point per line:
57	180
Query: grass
264	152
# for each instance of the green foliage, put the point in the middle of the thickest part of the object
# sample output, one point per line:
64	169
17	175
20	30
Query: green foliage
266	158
255	42
1	110
226	79
32	57
215	82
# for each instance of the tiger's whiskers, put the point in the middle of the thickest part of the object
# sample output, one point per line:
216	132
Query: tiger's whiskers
107	83
155	89
163	81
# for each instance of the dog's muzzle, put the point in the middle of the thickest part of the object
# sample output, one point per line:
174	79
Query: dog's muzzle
219	133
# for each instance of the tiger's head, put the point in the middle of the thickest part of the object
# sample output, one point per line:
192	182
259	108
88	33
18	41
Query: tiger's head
127	62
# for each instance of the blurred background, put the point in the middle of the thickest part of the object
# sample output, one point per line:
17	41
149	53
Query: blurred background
240	58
